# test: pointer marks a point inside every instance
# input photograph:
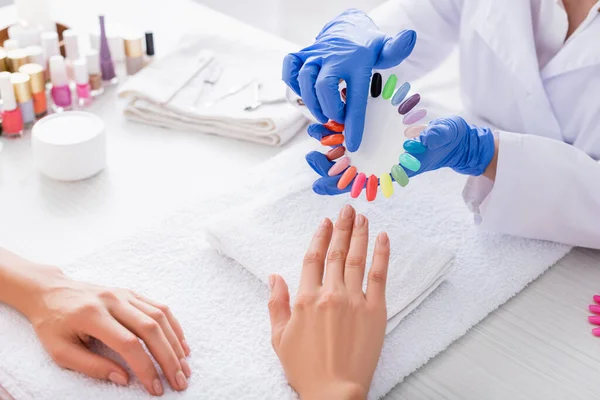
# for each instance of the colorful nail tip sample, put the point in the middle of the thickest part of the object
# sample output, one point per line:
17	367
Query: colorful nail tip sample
594	319
343	92
335	153
596	332
387	188
334	126
414	147
390	86
595	309
332	140
399	175
597	299
372	184
346	178
339	166
400	93
358	185
376	83
409	104
414	116
414	131
409	162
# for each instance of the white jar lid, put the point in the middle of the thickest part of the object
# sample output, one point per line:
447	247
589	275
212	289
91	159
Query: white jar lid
69	146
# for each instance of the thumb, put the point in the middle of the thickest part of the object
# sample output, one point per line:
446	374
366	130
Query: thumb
396	49
77	357
279	308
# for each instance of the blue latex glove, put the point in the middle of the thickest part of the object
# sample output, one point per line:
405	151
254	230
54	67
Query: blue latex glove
453	143
349	48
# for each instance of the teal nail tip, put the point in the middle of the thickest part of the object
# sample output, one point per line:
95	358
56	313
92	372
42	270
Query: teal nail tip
410	162
414	147
400	93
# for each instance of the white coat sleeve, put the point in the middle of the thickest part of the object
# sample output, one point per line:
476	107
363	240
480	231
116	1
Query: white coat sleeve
437	24
544	189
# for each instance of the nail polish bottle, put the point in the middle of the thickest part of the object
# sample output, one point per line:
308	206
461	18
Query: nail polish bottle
3	60
51	48
61	93
12	120
71	51
10	44
37	82
21	85
17	58
82	82
95	77
134	55
149	48
106	63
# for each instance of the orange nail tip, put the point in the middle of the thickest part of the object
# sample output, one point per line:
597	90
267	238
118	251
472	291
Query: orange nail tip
372	184
332	140
334	126
346	178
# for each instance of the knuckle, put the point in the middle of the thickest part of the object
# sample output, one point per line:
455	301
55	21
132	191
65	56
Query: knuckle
150	326
313	257
336	255
164	308
303	301
330	300
87	309
377	276
355	262
108	295
274	303
157	315
129	344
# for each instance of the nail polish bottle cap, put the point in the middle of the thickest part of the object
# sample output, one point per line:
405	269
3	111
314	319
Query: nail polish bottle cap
21	85
71	44
58	71
17	58
133	47
36	74
35	54
81	71
10	44
3	60
93	62
7	92
149	44
50	44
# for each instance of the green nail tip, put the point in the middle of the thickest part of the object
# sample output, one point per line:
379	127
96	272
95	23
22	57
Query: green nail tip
409	162
390	86
399	175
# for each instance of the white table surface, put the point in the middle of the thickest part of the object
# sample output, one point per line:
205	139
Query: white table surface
537	346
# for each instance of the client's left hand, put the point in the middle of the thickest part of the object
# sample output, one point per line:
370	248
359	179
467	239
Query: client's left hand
330	344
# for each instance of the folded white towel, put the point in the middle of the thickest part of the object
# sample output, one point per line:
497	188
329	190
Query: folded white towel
223	310
186	90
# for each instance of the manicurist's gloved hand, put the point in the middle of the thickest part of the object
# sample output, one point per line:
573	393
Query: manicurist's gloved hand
348	48
453	143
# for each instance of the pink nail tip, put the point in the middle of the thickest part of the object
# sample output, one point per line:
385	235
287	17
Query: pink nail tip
595	308
597	299
596	332
594	319
339	166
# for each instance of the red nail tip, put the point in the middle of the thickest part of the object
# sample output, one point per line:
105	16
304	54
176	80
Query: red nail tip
372	184
334	126
595	308
332	140
335	153
358	185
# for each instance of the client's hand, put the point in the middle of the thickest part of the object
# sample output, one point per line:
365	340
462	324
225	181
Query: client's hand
67	314
330	344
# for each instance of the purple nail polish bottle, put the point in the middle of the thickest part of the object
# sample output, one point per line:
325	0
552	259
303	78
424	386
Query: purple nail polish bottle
107	67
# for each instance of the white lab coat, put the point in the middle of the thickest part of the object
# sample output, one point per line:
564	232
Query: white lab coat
544	188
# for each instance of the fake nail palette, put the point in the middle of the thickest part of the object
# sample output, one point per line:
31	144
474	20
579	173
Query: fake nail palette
382	157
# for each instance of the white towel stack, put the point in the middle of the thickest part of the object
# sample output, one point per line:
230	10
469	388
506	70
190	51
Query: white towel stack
186	90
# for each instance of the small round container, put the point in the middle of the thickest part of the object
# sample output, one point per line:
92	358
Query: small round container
69	146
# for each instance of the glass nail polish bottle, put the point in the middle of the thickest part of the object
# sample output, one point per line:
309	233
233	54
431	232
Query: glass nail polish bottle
21	85
37	76
71	51
82	83
134	55
106	63
61	93
12	120
95	76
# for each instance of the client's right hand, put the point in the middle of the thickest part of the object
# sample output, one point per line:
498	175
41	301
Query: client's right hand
330	344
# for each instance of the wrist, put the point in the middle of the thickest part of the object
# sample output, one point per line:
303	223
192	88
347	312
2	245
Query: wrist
23	283
337	391
490	170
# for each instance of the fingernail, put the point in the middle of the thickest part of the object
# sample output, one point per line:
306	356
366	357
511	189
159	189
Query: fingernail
271	281
382	238
595	308
181	380
597	299
186	347
158	388
359	221
117	379
596	332
347	211
324	224
594	319
185	367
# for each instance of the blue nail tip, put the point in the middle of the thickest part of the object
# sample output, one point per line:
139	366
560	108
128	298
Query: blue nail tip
400	93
